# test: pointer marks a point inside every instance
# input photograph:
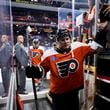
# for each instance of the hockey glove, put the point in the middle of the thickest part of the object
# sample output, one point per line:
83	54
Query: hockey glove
34	72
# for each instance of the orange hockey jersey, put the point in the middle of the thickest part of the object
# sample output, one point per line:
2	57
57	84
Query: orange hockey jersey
35	55
66	69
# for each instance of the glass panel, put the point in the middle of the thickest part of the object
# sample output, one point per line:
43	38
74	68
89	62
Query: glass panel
7	75
85	28
30	24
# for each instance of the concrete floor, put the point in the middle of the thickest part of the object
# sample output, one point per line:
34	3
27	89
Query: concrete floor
43	103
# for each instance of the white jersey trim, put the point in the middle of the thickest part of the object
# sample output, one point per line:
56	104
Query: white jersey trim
49	52
94	45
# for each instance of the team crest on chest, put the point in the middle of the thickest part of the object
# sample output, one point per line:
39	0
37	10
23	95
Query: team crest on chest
35	54
67	67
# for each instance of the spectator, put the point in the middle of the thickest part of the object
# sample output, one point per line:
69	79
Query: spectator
5	63
104	26
22	62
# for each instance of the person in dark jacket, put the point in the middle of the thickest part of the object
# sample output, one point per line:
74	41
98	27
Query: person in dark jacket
5	63
104	26
22	62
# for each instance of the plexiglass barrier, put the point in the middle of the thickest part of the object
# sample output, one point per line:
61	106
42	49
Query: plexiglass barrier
7	71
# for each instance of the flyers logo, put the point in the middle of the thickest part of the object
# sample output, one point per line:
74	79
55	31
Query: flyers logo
67	67
35	54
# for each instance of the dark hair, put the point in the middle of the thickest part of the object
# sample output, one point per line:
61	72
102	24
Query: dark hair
61	33
36	41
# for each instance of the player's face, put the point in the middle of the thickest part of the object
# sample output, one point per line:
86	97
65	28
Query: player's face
65	42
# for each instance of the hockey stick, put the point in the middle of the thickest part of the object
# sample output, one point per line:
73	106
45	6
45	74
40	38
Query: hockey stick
28	30
86	85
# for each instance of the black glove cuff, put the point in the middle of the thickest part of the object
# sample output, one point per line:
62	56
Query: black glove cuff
100	38
34	72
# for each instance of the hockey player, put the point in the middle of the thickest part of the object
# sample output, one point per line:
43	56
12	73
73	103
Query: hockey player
36	53
66	67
